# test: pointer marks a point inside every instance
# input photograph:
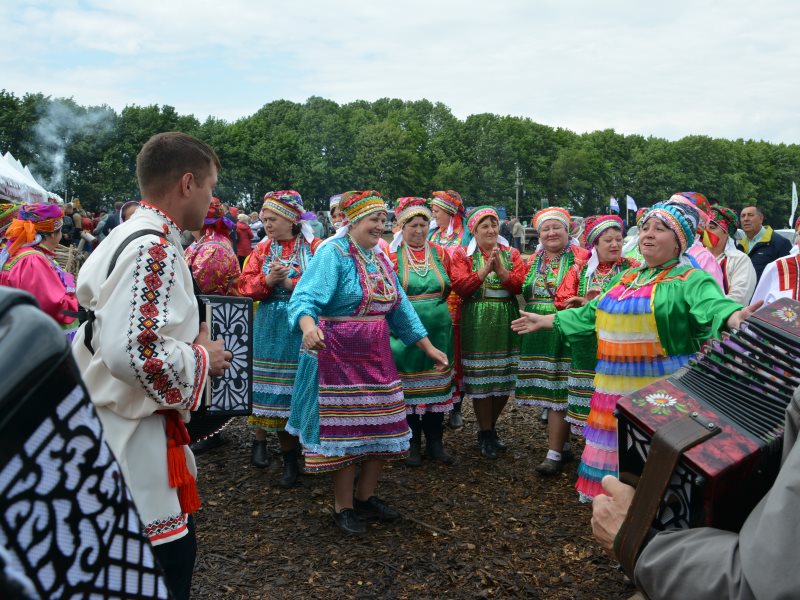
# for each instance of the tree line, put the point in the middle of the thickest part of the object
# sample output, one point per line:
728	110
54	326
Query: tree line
398	147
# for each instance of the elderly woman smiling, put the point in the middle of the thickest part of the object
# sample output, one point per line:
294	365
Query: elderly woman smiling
649	323
423	270
347	403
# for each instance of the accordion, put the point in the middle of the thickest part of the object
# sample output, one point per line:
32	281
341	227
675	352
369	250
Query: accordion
68	525
704	445
229	318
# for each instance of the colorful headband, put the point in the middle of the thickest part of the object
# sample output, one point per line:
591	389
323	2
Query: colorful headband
553	213
595	226
358	204
697	200
409	207
286	203
641	213
476	215
31	220
680	217
449	201
726	218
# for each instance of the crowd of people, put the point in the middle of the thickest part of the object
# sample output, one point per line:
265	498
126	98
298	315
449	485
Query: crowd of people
363	348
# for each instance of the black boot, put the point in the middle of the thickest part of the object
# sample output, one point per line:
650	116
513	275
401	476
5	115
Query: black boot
498	443
290	469
433	427
415	451
486	443
260	456
435	451
455	421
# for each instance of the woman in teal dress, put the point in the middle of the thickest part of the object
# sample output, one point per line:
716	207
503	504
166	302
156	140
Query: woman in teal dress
423	270
272	271
347	404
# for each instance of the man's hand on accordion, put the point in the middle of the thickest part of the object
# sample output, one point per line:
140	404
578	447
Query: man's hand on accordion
609	510
218	358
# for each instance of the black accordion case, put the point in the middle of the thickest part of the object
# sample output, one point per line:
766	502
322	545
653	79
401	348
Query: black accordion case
739	385
68	526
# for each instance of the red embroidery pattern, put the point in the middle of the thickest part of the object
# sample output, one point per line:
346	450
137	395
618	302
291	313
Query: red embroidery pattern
157	530
162	381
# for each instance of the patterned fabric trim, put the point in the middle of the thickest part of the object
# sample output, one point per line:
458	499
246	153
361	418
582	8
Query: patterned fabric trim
166	528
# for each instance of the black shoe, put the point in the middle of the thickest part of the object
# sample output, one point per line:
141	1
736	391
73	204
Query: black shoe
455	420
209	443
435	451
414	454
549	467
498	443
348	521
566	456
290	469
486	443
260	456
375	508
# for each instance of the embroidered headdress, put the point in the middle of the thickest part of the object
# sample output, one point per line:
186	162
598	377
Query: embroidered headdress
552	213
697	200
595	226
726	218
680	216
289	205
450	202
356	205
406	209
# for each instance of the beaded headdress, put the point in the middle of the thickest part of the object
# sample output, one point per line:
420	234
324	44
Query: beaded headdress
697	200
289	205
477	215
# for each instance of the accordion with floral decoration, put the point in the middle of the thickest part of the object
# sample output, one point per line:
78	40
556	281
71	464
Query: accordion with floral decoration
733	395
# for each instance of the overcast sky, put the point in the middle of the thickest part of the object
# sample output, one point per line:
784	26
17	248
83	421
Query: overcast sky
725	69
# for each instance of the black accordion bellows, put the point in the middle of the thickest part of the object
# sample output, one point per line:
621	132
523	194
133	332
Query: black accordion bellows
68	526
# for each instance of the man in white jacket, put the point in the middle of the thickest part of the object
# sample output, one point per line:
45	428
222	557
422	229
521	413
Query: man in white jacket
144	356
738	273
781	278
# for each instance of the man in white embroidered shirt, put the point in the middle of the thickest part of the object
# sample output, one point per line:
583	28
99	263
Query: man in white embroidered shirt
145	357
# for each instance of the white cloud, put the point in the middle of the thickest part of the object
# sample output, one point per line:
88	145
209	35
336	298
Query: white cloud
722	69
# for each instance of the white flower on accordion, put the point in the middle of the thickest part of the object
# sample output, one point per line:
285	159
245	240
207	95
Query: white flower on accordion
661	403
786	314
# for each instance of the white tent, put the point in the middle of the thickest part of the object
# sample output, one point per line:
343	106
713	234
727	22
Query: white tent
18	184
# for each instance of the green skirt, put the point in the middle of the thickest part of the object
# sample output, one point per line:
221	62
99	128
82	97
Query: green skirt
489	348
580	383
544	362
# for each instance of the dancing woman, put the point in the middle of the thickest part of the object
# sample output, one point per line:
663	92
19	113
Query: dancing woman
649	323
347	404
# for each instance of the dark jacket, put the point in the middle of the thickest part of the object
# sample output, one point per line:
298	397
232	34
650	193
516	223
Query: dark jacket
771	247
